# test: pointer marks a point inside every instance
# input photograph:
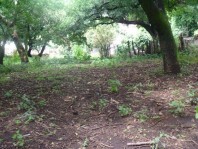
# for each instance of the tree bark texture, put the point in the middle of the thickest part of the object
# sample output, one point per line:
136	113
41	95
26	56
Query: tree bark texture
2	52
21	50
159	21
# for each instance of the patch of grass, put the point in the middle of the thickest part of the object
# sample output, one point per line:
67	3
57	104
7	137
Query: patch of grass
142	115
124	110
189	57
135	87
177	107
102	103
26	103
114	85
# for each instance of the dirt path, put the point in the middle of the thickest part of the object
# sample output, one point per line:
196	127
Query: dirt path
76	109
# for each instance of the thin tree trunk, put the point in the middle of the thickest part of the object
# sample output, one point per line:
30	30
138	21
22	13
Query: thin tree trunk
21	50
42	50
30	49
133	47
159	20
181	43
2	53
129	49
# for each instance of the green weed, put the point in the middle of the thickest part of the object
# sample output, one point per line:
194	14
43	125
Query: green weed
196	112
85	143
26	103
142	115
157	140
102	103
114	85
8	94
124	110
177	107
193	96
18	138
42	103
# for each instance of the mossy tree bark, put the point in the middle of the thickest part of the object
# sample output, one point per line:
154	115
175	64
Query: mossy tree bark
159	20
20	48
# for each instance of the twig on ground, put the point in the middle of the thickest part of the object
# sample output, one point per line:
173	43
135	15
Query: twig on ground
141	143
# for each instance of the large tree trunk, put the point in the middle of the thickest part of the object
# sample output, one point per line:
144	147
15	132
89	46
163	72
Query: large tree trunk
21	50
159	20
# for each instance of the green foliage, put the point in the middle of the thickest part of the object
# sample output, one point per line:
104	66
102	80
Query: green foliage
157	140
196	112
18	138
80	53
85	143
12	59
8	94
102	103
42	103
114	85
190	56
193	95
124	110
185	20
4	69
1	140
142	115
177	107
26	103
101	37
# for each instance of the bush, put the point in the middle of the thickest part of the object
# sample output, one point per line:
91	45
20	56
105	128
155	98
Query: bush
80	54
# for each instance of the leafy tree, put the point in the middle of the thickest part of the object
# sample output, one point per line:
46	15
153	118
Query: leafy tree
149	14
101	37
185	19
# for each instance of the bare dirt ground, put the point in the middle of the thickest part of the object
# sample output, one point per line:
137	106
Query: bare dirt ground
76	109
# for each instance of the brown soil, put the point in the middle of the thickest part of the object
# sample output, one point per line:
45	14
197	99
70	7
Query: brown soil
74	119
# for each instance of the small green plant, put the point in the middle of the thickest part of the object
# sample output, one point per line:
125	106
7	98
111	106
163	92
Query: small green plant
93	105
26	103
1	140
17	122
85	143
157	140
193	97
42	103
196	112
114	85
102	103
142	115
8	94
177	107
18	138
124	110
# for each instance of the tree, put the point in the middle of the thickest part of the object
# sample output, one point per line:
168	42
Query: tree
101	37
185	19
149	14
159	20
32	24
